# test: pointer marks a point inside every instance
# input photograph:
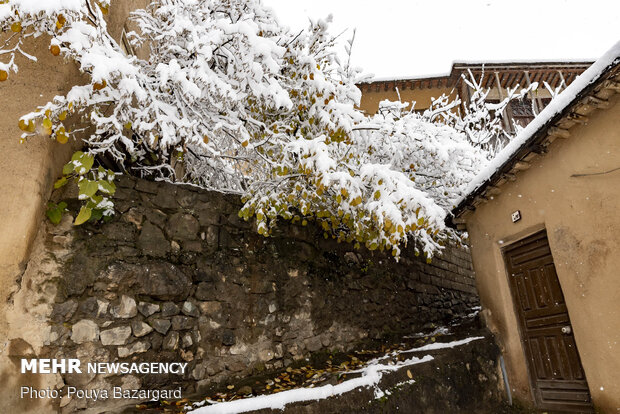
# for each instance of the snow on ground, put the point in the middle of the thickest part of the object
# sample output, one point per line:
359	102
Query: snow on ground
430	347
371	376
442	330
439	345
557	105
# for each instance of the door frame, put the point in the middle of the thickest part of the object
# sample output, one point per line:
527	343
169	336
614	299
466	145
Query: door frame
513	242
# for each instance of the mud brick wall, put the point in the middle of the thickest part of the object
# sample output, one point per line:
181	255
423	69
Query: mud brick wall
176	275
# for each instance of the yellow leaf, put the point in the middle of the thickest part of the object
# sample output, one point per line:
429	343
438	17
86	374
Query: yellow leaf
61	137
409	374
99	85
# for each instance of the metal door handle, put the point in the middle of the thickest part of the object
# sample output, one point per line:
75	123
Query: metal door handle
566	330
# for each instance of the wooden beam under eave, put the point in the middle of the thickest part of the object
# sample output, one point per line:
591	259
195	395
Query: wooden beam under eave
489	80
461	226
509	177
583	109
519	79
565	123
494	190
459	220
481	199
521	165
605	93
558	132
596	102
579	119
503	78
611	84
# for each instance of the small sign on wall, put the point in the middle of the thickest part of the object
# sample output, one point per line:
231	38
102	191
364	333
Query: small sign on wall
516	216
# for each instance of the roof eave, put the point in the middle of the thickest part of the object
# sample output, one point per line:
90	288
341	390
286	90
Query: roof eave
532	145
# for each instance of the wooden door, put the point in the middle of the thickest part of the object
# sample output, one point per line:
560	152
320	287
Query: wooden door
554	366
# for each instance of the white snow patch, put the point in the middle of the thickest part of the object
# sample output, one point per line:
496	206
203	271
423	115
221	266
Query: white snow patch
430	347
371	375
442	330
440	345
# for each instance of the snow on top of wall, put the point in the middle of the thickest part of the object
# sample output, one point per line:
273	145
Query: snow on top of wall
556	106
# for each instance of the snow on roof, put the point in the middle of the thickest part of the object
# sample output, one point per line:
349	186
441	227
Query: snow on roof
512	62
406	78
557	106
550	62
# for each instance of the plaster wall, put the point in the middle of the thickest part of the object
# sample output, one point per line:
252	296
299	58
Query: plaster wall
583	225
28	171
423	97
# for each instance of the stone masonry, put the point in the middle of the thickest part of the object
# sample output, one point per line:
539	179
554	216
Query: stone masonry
177	276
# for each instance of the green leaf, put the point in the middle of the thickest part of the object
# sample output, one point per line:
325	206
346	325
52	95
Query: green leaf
107	186
68	168
54	214
94	201
87	161
88	188
96	214
77	155
62	181
82	216
62	205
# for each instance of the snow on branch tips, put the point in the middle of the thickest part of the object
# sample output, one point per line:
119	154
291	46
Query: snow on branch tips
224	97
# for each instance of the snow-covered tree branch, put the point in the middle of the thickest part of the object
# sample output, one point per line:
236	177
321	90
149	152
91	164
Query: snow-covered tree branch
228	99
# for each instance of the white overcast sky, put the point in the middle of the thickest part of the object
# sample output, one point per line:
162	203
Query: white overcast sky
402	38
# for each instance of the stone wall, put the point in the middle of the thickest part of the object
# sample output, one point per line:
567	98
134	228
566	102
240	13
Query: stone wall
177	276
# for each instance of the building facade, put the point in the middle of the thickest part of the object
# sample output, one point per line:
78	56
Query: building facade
543	226
498	78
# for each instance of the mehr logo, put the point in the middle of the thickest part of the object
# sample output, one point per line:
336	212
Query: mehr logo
51	366
70	366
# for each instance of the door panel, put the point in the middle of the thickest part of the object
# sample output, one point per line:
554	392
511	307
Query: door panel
554	366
